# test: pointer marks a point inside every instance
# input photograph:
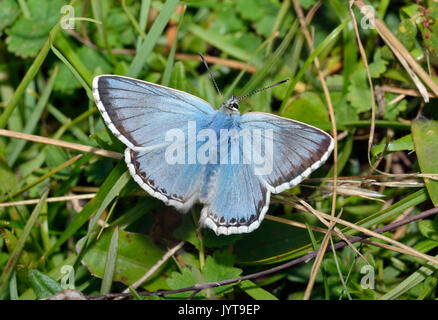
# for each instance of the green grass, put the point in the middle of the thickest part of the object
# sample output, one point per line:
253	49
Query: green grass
112	240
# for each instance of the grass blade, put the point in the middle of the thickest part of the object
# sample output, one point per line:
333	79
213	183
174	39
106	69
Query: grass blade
110	264
152	38
18	145
15	254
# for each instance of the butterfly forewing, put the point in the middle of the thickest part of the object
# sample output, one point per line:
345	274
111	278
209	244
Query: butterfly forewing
140	113
297	149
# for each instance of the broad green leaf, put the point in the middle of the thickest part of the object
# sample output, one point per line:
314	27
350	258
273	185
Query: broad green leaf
185	279
218	267
406	33
307	108
227	21
358	91
378	66
425	136
394	109
43	285
255	291
272	242
250	9
187	231
429	229
177	78
8	13
27	35
403	143
136	254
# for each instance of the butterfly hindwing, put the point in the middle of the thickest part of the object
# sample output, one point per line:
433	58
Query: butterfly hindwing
237	200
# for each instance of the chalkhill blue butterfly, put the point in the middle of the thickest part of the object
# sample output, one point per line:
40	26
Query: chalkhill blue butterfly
183	151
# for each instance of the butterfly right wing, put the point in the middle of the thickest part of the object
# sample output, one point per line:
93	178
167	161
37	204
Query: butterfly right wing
297	149
140	114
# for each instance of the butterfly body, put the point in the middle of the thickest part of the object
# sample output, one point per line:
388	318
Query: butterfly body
183	151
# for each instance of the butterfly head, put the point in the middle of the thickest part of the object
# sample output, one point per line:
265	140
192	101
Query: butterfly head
231	105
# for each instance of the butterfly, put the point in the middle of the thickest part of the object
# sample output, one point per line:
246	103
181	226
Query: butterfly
183	151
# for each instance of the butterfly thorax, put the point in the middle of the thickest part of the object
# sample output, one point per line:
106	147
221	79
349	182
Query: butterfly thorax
231	106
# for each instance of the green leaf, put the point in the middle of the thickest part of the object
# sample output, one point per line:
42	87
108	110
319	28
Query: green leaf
358	91
8	13
187	231
394	109
256	292
307	4
27	35
220	267
43	285
430	34
403	143
378	66
256	248
425	136
250	9
429	229
118	28
55	156
185	279
97	171
264	25
93	61
307	108
136	254
227	21
406	33
177	77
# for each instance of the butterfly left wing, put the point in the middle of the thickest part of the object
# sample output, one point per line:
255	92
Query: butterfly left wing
297	149
140	114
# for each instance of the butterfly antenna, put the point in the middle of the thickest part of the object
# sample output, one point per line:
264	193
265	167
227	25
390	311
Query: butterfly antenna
211	74
262	89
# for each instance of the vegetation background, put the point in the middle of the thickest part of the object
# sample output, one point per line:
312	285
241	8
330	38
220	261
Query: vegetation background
61	239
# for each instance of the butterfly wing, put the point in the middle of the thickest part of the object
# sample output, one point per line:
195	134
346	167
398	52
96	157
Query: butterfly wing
297	148
140	114
237	196
237	200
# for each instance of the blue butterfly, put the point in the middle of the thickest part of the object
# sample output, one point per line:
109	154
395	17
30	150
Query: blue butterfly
183	151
